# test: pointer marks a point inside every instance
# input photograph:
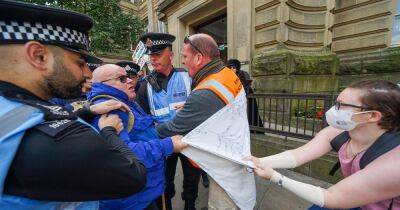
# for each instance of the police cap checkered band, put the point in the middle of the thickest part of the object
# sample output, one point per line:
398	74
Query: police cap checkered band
158	42
15	32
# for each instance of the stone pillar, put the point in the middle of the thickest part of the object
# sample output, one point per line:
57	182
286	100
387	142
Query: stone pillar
152	21
239	23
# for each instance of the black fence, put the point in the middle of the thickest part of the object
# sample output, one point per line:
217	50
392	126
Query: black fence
291	115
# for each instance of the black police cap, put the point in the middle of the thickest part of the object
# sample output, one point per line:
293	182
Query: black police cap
21	22
233	63
129	66
156	42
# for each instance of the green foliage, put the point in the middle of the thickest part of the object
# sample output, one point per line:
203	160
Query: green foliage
113	31
315	111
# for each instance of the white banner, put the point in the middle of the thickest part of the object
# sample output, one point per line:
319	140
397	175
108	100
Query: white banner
218	146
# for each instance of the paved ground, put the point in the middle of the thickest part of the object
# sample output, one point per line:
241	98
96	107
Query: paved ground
269	196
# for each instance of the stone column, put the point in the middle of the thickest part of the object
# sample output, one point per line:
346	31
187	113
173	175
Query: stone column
240	31
151	16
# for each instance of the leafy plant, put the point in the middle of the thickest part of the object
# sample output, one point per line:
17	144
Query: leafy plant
113	30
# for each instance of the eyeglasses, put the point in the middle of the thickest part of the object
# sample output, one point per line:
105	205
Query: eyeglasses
122	79
187	41
339	104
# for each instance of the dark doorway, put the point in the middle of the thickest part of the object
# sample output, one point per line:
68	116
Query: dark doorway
216	27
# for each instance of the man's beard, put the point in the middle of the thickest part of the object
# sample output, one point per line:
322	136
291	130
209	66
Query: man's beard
62	83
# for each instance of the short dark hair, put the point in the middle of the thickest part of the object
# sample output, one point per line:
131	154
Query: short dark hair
383	96
234	63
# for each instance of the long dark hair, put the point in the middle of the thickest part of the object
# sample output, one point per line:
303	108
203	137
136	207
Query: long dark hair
383	96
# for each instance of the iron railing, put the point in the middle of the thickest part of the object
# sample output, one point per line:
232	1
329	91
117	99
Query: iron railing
290	115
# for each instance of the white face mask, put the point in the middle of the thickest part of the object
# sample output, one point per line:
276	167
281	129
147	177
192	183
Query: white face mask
341	119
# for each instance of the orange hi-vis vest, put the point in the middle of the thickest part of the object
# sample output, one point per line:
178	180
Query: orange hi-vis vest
225	84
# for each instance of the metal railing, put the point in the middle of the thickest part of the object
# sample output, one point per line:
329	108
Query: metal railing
290	115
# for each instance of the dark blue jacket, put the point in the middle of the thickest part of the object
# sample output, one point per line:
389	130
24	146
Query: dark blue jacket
145	144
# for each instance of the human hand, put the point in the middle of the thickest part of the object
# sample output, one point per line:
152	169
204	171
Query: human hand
264	171
111	120
253	159
179	145
107	106
179	106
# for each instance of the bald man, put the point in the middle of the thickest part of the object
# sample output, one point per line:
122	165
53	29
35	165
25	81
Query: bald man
112	81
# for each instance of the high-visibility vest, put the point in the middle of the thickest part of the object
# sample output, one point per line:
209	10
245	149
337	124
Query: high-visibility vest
16	118
225	84
163	104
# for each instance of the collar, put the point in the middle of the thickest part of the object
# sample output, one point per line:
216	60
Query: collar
103	89
11	91
212	67
21	95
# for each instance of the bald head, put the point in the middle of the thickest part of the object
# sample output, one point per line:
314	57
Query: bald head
206	44
106	72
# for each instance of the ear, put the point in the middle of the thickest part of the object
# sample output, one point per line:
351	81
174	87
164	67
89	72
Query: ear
376	116
38	55
171	56
198	59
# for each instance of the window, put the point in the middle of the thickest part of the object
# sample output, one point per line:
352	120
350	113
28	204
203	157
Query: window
396	27
161	27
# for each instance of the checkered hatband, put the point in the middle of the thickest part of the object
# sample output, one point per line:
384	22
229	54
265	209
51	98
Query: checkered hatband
151	43
13	31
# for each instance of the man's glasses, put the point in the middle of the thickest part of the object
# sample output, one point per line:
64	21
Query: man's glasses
339	104
187	41
122	79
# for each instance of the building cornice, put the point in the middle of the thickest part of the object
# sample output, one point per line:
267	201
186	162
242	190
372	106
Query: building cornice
300	7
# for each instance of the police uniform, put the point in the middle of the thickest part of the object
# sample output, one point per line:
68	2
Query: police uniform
50	159
159	96
130	67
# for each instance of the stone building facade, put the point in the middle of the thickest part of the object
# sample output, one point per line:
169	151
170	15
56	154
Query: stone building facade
291	45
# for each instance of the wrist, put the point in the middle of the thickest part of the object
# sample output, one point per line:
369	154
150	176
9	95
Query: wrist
86	106
277	178
108	129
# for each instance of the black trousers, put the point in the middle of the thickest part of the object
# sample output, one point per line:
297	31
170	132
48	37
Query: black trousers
191	177
156	204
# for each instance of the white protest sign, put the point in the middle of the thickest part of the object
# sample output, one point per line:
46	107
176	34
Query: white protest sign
225	134
218	146
139	51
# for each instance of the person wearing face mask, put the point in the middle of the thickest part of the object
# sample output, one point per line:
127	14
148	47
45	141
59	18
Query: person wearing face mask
364	128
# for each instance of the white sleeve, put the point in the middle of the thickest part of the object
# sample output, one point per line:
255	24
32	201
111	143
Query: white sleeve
308	192
282	160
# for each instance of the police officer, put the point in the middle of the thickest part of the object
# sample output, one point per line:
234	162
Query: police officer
162	94
76	104
50	159
132	70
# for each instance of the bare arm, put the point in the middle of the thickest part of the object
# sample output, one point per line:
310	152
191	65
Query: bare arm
314	149
376	182
317	147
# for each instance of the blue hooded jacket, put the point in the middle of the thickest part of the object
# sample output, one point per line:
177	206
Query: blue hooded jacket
144	143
